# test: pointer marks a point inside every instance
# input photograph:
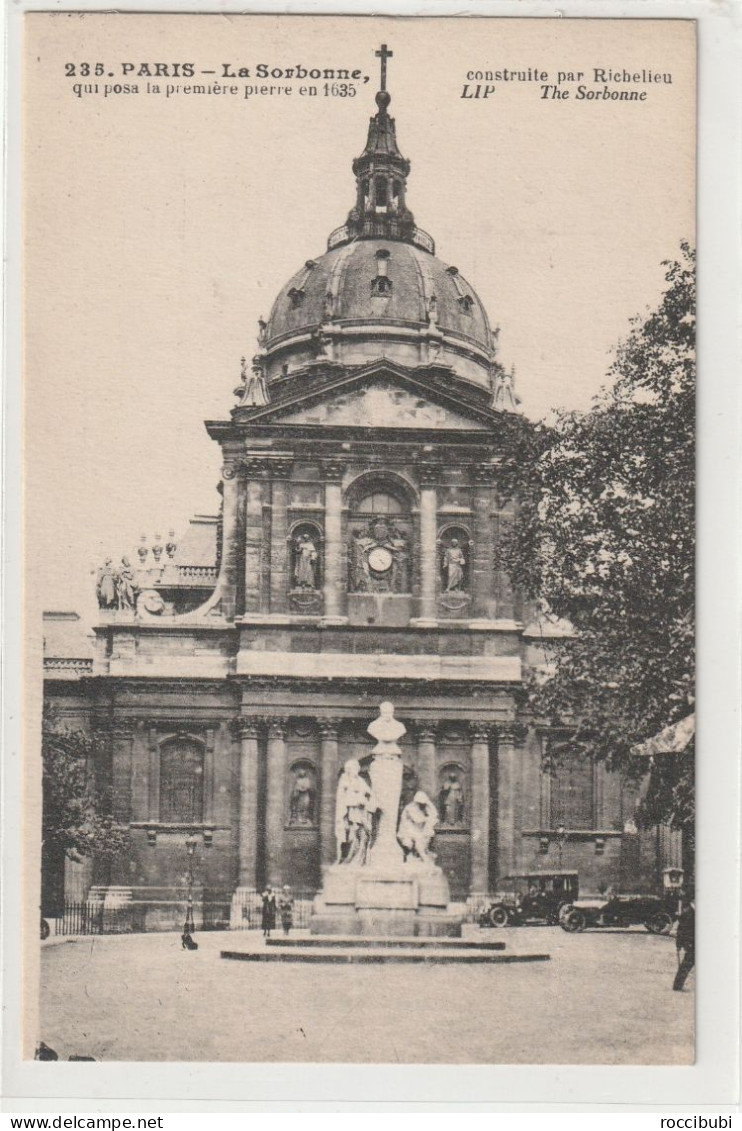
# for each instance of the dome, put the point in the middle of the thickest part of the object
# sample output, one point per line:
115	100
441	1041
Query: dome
379	291
396	292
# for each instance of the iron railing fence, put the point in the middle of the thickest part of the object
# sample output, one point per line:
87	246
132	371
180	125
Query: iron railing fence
248	915
91	917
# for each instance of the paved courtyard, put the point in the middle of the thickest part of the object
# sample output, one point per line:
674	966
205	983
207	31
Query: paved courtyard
604	998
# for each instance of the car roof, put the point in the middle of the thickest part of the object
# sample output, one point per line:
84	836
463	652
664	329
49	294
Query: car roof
537	875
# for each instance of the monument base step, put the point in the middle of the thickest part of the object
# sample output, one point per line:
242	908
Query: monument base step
378	954
405	941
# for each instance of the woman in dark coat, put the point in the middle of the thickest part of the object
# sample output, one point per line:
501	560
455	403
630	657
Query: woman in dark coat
268	920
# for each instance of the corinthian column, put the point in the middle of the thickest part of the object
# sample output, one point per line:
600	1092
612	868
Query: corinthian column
426	757
328	789
229	585
280	559
428	545
275	799
248	807
334	554
480	806
508	792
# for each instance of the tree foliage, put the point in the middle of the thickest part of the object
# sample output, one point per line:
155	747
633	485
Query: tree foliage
76	819
604	538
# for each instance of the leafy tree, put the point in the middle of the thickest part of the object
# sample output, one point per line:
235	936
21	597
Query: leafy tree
76	819
604	538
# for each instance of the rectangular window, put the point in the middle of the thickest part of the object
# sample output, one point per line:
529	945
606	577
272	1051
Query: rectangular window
572	791
181	782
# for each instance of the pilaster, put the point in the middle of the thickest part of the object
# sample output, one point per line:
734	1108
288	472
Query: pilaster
247	729
275	798
334	554
328	789
480	806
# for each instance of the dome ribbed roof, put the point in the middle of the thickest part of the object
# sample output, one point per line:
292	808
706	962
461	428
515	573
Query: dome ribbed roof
340	287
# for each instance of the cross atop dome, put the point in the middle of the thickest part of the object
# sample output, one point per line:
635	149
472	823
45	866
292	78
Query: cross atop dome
383	53
381	174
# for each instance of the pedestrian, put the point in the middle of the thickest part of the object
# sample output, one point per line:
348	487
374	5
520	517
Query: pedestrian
286	908
268	921
685	940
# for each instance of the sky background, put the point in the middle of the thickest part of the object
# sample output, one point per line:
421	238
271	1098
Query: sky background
158	230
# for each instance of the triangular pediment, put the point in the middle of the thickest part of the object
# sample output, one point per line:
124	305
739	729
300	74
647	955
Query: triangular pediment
380	404
381	398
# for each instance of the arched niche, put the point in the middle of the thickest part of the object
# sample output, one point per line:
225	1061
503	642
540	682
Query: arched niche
306	544
380	532
303	795
453	796
454	558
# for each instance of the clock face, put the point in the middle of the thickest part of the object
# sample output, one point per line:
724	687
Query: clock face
380	559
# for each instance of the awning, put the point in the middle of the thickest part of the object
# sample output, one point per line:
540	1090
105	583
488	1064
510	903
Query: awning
672	740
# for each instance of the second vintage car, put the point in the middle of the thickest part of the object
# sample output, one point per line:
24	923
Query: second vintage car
530	897
654	912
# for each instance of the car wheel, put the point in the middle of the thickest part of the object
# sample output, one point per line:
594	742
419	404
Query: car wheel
45	932
573	921
498	917
660	923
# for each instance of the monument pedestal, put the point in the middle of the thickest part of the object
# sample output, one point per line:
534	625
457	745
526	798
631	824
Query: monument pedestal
377	901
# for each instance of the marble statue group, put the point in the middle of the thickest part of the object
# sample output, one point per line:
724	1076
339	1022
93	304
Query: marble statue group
368	825
115	587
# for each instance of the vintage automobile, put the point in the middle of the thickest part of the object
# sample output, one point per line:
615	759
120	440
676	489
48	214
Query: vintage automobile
531	897
656	913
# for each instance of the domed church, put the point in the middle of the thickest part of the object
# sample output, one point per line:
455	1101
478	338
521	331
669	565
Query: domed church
354	560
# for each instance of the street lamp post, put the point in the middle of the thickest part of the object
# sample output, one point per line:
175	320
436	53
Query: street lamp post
189	926
561	833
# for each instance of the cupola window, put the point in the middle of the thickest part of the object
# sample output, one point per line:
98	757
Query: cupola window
382	284
381	196
465	301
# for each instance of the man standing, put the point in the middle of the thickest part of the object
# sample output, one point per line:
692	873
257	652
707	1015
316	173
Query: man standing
686	941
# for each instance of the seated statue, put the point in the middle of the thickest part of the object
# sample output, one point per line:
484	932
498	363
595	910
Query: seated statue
416	830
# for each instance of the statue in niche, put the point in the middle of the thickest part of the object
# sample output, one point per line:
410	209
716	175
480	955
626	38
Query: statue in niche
355	808
451	800
454	561
125	585
105	585
359	568
305	562
302	803
401	564
416	830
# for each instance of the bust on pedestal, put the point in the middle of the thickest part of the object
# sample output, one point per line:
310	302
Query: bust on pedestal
385	881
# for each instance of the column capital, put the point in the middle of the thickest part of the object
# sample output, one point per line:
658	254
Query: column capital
254	465
122	728
480	732
333	469
429	474
277	726
279	466
232	468
328	727
244	727
426	729
512	734
483	474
